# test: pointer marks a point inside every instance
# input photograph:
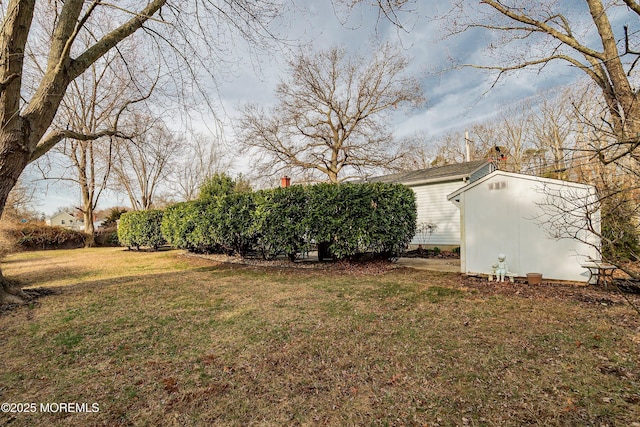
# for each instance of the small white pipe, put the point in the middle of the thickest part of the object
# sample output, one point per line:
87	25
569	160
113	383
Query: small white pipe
466	145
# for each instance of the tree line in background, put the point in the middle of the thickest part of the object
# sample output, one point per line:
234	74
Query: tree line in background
551	135
548	135
335	128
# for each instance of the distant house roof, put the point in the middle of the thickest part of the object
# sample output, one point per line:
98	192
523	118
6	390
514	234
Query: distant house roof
62	215
432	175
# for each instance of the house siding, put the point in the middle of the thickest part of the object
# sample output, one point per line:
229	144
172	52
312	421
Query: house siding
65	220
431	187
433	207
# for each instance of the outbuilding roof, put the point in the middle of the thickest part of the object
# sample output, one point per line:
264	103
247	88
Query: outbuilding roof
431	175
514	175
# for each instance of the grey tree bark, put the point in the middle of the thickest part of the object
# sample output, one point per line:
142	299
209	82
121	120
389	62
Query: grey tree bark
23	127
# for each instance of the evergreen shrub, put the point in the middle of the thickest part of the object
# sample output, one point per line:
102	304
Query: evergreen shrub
347	219
352	219
178	224
281	222
141	229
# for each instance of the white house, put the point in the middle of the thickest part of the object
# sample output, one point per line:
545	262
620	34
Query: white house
66	220
431	187
538	223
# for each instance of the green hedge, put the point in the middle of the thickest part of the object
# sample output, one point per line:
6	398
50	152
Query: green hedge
213	225
178	224
351	219
281	221
346	220
234	226
107	236
39	237
141	229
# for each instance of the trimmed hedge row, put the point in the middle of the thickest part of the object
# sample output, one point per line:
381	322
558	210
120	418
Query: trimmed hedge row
40	237
357	218
280	221
141	228
346	220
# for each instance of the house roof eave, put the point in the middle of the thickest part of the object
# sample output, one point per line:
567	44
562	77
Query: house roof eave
416	183
446	173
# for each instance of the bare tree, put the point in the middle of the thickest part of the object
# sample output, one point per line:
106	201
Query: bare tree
536	134
418	153
24	122
331	118
144	163
553	134
537	33
515	131
20	202
33	83
618	184
94	104
452	147
200	159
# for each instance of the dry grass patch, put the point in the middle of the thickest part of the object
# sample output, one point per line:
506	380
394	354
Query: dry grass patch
161	339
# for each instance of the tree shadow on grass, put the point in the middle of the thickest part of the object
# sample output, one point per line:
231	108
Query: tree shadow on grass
73	282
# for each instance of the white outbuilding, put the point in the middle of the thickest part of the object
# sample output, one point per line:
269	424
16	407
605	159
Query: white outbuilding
542	225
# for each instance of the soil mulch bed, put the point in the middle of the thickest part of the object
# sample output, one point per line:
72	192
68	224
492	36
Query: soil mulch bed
355	268
429	253
589	294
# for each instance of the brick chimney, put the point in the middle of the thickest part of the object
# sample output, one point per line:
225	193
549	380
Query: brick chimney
285	181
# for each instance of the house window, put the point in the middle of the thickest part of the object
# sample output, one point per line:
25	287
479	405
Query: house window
62	221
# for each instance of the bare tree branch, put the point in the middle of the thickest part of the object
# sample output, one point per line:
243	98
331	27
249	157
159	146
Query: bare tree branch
54	137
332	114
540	32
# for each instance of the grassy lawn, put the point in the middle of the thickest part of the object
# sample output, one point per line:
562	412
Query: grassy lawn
163	339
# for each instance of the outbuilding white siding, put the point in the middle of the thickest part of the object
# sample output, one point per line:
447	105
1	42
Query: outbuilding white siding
513	214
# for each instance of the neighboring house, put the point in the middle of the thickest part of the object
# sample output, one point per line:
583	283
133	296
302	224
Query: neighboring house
529	219
431	187
66	220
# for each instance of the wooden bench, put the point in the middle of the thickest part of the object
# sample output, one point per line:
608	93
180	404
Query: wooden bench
600	272
510	275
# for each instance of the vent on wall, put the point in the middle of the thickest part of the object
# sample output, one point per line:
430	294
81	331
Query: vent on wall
498	185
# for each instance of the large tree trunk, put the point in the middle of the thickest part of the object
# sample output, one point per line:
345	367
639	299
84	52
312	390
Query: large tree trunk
13	159
23	124
89	229
10	293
